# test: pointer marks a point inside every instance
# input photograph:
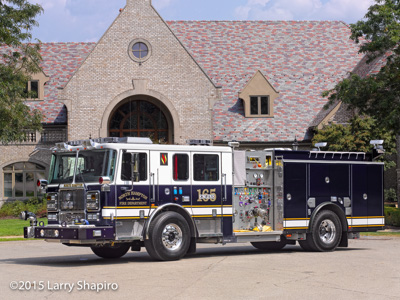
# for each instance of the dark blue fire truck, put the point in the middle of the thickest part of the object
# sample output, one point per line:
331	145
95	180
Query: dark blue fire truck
116	194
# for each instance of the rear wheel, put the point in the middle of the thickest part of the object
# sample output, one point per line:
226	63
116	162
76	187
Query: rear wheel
326	232
111	251
169	237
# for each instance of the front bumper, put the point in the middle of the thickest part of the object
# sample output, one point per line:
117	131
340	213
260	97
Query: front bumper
70	233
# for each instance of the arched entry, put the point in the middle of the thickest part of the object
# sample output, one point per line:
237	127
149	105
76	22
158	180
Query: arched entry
141	118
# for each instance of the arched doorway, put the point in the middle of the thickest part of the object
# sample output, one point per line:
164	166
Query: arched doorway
140	118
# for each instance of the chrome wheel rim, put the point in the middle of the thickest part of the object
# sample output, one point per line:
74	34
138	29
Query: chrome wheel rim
172	237
327	231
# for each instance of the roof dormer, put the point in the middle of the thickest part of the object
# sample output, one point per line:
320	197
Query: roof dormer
258	96
35	86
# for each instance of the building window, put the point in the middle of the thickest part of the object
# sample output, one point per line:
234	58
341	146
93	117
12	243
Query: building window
181	167
32	90
20	180
259	106
35	87
140	119
139	50
206	167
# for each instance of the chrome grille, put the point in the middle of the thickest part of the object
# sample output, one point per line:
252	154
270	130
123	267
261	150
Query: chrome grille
72	200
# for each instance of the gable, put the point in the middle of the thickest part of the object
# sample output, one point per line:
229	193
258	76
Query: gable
256	90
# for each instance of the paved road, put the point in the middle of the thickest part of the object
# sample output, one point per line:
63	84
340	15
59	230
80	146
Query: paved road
368	269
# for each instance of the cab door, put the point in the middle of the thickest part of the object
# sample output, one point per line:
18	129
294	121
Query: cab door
207	192
133	193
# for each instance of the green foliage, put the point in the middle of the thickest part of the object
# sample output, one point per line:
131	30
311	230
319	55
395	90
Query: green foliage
390	195
392	216
377	95
14	227
17	18
356	137
14	208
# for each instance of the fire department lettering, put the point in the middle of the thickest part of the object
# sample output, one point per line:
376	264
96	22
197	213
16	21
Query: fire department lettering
133	196
207	195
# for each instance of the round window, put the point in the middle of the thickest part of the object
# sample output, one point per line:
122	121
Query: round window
139	50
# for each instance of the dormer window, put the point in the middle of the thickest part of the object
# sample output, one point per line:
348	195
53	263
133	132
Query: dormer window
259	106
35	86
32	89
258	97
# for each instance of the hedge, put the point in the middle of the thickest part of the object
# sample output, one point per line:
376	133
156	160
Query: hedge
392	216
14	208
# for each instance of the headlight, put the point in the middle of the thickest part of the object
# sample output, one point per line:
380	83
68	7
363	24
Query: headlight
52	202
93	217
93	201
52	217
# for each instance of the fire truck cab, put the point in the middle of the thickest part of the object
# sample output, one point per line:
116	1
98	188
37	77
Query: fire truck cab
116	194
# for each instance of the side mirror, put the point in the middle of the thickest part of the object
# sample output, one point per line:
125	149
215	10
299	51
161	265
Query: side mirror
42	185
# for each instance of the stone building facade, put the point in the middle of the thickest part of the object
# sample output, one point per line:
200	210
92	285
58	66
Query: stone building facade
257	82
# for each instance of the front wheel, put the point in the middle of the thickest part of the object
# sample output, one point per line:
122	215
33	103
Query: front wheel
169	237
111	251
326	232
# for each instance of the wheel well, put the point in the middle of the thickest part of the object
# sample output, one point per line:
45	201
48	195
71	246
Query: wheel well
334	208
178	209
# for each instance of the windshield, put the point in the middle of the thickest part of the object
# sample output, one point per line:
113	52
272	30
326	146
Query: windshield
90	166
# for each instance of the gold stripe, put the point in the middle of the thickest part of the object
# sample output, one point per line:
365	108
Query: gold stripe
130	207
367	225
209	206
296	219
365	217
125	218
295	227
209	216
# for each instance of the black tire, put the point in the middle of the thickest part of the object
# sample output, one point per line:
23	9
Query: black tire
326	233
108	251
270	246
305	244
169	237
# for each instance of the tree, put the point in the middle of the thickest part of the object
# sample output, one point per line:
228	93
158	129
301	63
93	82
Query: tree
378	94
20	59
356	136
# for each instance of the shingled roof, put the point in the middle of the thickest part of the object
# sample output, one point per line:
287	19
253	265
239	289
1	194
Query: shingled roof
300	59
60	61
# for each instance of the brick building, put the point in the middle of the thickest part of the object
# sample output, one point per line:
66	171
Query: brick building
257	82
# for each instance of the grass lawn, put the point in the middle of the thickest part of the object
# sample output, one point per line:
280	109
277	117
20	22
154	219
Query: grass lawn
14	227
380	234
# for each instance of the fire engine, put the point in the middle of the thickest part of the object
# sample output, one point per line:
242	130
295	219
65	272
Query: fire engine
116	194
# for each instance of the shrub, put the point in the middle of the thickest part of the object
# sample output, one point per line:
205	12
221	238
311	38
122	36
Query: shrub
392	216
36	205
390	195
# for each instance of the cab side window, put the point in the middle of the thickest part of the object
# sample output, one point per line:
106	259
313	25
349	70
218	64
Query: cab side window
206	167
126	171
181	167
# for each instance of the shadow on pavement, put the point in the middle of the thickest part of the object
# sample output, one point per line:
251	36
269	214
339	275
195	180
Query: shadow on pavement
84	260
